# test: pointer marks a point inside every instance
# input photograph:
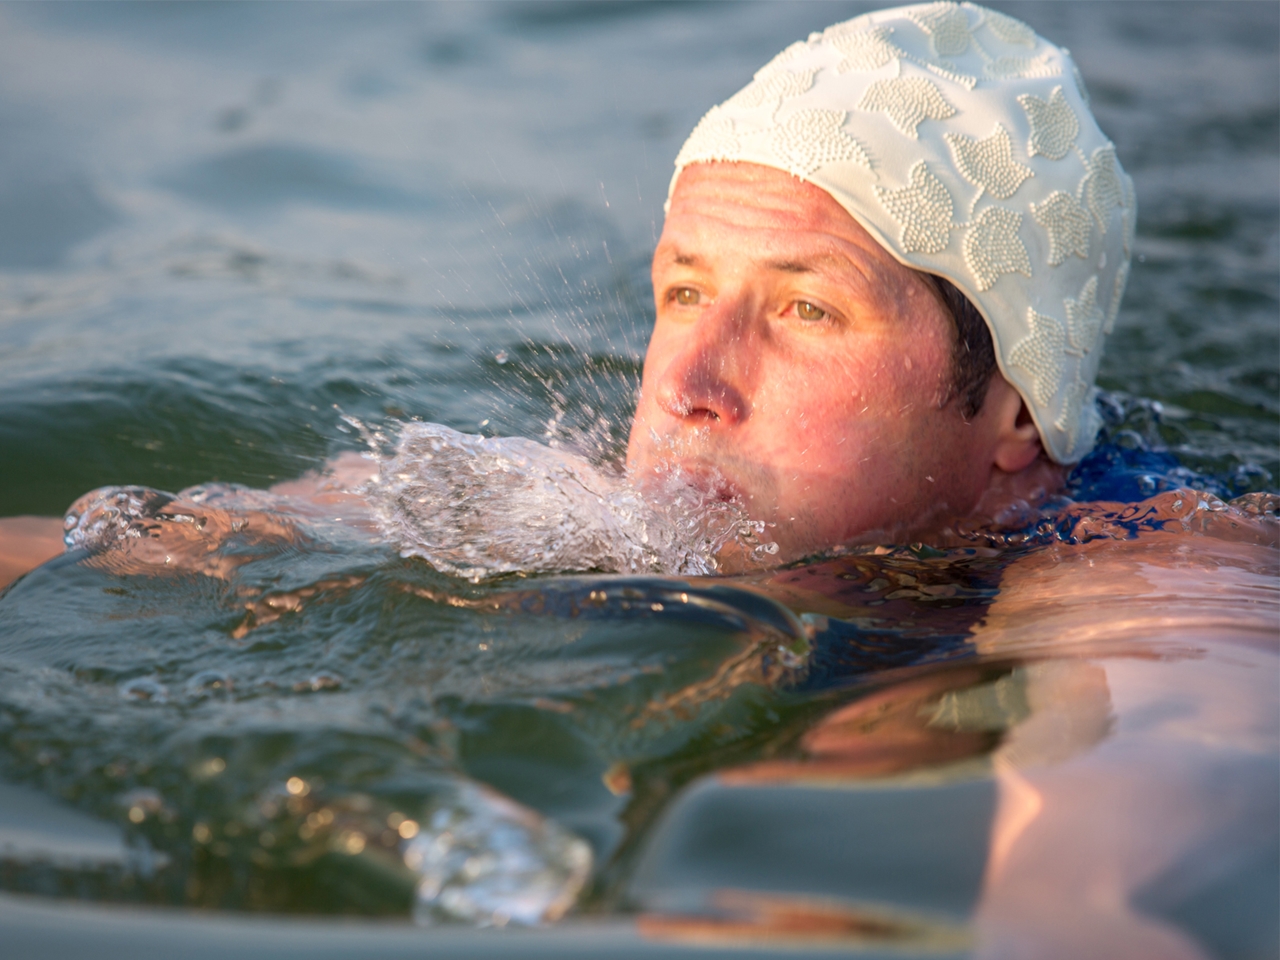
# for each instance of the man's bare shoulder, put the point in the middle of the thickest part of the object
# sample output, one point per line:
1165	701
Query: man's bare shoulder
1179	561
334	481
1107	592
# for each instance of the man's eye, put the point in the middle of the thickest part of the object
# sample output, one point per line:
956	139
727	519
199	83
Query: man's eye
807	311
687	297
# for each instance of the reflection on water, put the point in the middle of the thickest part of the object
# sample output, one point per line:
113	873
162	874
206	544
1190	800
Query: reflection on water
1099	780
1056	736
912	745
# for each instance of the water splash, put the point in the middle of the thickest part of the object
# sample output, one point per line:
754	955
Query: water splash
487	860
1144	448
472	854
478	507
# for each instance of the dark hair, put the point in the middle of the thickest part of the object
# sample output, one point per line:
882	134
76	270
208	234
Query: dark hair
973	356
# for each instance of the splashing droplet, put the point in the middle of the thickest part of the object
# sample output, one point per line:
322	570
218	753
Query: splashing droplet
477	507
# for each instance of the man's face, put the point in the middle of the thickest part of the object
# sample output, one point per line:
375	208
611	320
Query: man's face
797	367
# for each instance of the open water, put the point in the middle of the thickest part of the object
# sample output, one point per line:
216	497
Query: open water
238	240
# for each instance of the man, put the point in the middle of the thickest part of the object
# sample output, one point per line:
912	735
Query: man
881	288
840	235
834	231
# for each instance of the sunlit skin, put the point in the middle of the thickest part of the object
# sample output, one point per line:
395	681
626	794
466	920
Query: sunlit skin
796	361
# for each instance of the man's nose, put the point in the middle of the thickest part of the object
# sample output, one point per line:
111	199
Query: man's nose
704	382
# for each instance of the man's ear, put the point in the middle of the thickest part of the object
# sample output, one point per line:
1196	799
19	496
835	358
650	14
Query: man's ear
1017	441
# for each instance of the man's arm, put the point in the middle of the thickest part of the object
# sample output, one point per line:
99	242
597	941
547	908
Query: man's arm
27	542
334	482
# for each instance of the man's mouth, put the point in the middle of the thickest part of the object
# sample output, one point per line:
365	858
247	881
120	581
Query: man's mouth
717	486
705	479
684	462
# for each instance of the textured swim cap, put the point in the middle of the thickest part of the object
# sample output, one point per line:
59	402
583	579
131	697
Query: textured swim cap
964	144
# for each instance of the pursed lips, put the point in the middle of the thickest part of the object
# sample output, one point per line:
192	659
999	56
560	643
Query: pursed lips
728	478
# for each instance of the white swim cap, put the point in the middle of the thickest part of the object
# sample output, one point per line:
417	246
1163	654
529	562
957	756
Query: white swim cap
964	144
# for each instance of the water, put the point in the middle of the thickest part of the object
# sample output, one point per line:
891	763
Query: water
235	237
478	507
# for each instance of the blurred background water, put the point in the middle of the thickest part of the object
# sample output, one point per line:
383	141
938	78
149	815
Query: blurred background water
222	224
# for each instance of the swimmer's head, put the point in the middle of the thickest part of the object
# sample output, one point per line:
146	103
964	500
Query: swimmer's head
885	275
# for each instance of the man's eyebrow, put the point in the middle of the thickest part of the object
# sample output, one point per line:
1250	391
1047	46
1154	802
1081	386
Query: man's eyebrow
789	266
808	264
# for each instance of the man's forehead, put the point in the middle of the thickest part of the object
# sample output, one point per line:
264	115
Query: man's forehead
750	193
776	219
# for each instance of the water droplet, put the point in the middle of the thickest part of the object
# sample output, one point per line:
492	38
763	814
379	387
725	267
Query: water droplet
764	550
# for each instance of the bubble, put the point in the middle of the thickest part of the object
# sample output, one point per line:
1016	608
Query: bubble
145	689
111	514
207	683
323	680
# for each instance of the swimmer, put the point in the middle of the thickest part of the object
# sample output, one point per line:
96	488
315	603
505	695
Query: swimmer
882	288
886	271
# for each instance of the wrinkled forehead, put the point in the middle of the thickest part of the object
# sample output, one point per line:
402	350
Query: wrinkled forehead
751	194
